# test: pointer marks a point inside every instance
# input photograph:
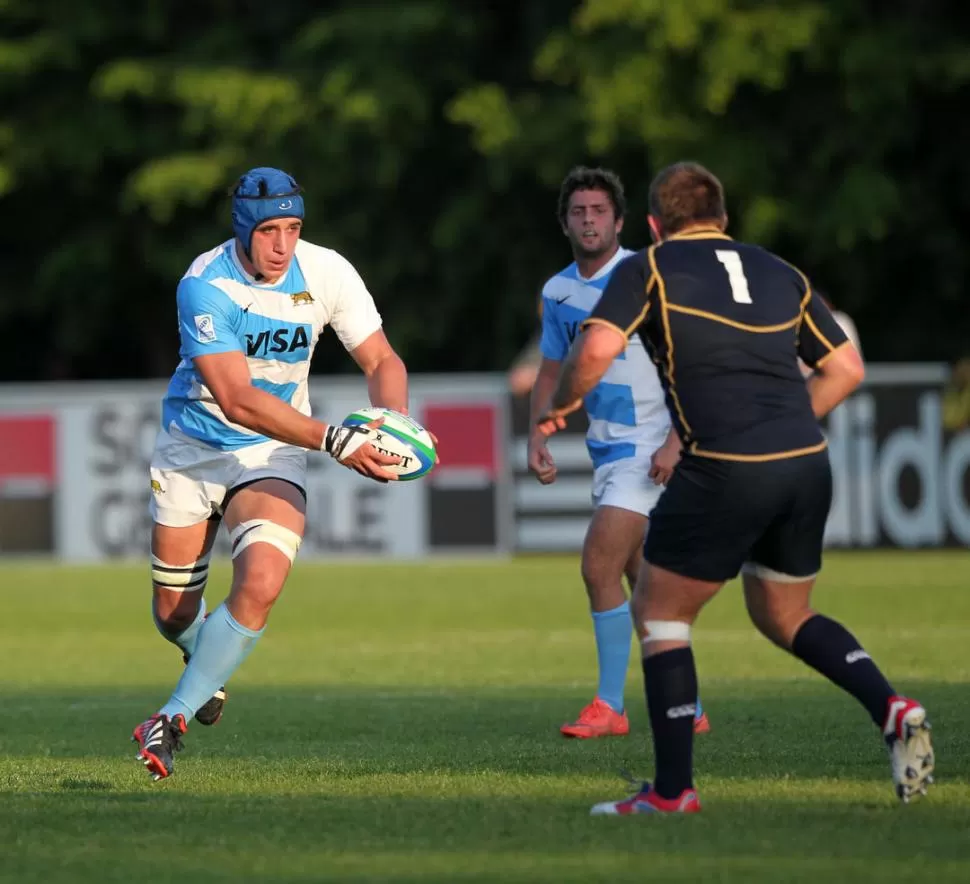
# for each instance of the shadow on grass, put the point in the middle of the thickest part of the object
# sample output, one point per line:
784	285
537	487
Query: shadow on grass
469	786
761	730
166	835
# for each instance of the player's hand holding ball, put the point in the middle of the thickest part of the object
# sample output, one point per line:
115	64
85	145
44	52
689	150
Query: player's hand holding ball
351	446
383	444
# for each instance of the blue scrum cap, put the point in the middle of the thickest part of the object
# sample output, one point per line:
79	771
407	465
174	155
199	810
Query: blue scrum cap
261	195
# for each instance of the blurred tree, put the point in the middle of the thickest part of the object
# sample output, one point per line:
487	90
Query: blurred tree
836	126
127	123
431	136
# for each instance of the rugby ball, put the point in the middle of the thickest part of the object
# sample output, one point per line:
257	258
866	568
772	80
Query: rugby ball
399	435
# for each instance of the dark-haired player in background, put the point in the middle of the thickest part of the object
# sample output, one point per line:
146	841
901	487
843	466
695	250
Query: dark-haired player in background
726	323
629	440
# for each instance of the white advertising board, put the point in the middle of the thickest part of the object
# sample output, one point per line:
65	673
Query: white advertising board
102	440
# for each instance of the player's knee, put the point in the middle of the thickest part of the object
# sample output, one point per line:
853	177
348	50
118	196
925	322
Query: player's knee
599	574
258	583
772	627
259	577
174	619
638	603
776	621
761	619
174	613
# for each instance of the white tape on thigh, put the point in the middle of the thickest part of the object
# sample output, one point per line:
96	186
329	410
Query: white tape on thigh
264	531
765	573
181	578
665	631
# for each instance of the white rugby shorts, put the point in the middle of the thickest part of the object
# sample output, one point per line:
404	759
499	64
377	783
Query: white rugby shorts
190	480
625	483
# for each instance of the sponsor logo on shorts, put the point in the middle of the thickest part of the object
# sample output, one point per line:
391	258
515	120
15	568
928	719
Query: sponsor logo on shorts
157	487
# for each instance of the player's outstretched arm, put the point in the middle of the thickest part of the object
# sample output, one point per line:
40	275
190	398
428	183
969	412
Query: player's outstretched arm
228	379
835	378
387	377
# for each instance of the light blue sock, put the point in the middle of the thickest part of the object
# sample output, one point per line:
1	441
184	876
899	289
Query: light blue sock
188	638
222	646
699	710
613	629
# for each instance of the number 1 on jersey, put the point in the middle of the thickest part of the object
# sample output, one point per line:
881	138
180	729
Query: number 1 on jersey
736	277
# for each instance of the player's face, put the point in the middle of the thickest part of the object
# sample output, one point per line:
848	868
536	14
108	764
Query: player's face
591	225
273	245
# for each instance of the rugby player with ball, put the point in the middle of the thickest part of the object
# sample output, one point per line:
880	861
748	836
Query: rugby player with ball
236	428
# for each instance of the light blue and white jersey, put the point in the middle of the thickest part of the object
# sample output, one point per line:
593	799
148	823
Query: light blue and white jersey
627	413
221	308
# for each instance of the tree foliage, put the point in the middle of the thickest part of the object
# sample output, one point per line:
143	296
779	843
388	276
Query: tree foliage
431	136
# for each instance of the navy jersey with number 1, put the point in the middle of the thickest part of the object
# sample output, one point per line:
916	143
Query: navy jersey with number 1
725	323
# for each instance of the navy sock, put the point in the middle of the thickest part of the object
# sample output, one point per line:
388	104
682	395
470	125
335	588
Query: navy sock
829	648
670	680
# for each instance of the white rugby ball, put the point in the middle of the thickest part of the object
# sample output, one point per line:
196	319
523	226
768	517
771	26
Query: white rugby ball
399	435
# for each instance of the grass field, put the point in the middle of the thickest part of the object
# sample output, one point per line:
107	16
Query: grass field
400	724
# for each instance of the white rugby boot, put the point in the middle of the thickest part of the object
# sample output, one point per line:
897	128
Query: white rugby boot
907	735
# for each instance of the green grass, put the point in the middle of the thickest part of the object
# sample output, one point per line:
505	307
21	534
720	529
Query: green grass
400	724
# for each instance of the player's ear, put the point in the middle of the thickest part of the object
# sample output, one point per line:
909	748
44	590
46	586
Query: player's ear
656	232
619	225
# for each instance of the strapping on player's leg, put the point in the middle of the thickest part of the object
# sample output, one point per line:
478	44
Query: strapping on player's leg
191	577
264	531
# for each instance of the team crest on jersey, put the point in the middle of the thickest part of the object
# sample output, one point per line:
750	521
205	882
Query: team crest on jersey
205	329
302	298
157	487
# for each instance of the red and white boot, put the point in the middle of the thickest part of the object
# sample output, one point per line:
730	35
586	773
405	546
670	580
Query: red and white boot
907	735
646	800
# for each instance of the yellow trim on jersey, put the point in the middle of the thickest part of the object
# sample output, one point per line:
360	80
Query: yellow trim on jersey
693	311
758	458
702	233
818	334
594	320
832	352
645	312
806	299
665	319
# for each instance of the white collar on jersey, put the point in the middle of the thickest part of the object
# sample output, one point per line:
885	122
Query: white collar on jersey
621	253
